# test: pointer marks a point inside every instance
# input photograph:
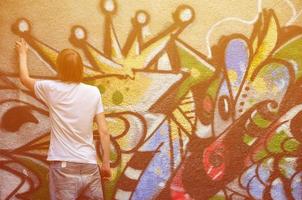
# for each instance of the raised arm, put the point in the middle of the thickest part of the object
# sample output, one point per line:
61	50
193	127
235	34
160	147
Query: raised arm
105	143
22	48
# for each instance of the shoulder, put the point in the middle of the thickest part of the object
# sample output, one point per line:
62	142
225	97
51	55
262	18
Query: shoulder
44	83
91	88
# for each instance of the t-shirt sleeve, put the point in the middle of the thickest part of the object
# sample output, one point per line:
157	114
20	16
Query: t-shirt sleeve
99	106
40	89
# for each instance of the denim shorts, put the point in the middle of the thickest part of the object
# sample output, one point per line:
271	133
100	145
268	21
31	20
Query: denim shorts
71	181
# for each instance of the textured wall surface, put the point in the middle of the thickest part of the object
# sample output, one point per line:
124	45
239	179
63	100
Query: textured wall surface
203	98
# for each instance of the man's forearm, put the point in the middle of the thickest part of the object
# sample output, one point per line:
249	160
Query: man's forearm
23	72
105	143
104	138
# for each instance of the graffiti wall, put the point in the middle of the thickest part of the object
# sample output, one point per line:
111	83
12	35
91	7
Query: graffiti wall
203	98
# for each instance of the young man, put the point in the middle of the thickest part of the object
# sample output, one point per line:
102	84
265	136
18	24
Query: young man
72	107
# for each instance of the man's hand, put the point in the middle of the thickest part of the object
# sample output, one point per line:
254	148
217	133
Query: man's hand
22	47
105	172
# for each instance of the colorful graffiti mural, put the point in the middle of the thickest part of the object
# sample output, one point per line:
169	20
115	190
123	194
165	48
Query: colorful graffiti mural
184	125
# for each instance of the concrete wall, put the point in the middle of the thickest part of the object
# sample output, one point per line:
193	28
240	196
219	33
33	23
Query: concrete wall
203	98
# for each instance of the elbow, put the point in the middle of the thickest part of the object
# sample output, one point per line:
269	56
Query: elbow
27	82
23	81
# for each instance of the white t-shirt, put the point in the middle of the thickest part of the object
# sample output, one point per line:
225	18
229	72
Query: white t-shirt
72	107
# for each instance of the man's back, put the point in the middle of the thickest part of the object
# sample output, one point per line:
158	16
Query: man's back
72	107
